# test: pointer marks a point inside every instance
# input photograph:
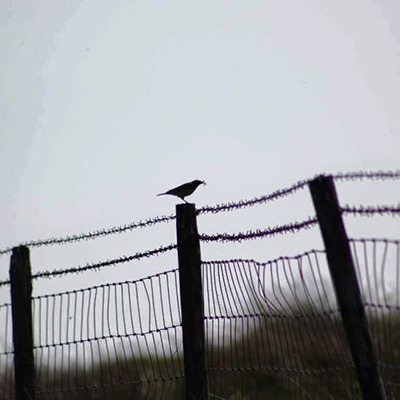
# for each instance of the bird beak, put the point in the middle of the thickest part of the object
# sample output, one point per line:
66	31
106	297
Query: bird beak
204	183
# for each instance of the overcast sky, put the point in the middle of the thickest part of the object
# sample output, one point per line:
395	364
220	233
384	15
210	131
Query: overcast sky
105	104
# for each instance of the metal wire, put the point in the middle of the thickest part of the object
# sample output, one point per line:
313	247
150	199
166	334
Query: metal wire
92	235
370	210
272	328
98	265
277	230
377	263
275	326
367	175
280	193
124	335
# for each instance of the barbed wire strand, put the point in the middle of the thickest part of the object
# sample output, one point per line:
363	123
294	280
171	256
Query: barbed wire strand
280	193
369	210
92	235
260	233
256	200
367	175
99	265
360	175
220	237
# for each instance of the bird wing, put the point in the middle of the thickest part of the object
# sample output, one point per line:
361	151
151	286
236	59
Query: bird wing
182	190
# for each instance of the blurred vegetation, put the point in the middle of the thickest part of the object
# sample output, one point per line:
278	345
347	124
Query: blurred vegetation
280	357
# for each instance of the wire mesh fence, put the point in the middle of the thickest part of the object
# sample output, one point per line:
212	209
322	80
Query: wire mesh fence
271	328
278	322
276	328
378	267
104	338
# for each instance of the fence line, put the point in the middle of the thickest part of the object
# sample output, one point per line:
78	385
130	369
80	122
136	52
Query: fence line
280	193
370	210
257	234
124	333
363	211
92	235
366	175
275	320
281	328
98	265
283	322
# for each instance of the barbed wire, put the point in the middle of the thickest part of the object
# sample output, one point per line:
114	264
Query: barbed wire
366	175
92	235
371	210
280	193
224	207
256	200
260	233
153	221
99	265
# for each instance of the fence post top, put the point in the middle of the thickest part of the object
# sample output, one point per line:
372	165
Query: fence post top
321	177
185	207
20	249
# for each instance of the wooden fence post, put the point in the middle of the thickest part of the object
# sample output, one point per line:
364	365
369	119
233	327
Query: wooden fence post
21	306
192	304
346	286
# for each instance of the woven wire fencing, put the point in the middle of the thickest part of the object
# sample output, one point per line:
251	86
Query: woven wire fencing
120	339
272	328
275	328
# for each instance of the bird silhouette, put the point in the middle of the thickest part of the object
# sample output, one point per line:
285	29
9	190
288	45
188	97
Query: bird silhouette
184	190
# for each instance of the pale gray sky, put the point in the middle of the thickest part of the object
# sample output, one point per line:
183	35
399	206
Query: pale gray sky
105	104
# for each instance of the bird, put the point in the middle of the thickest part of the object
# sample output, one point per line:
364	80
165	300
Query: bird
184	190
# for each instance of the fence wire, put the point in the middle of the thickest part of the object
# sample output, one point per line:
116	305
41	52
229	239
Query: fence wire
260	233
377	263
277	194
98	265
370	211
275	328
92	235
272	329
367	175
118	340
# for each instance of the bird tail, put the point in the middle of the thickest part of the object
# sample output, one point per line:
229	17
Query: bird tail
161	194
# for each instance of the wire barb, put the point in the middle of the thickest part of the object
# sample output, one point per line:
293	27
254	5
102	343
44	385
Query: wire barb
280	193
260	233
370	210
93	235
99	265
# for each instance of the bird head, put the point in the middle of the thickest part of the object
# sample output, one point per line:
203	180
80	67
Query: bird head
197	182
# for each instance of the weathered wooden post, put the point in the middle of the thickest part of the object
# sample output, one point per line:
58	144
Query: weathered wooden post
346	286
192	304
21	305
